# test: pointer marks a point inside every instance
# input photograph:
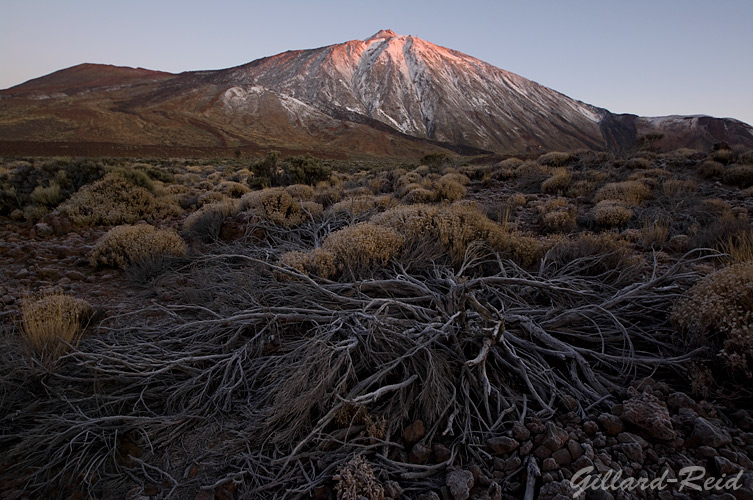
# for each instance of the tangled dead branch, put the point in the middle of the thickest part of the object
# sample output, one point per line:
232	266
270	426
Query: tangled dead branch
242	384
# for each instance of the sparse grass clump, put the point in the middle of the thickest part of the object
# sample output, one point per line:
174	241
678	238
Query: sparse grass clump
450	190
49	196
718	310
51	322
122	246
232	189
317	262
638	164
710	169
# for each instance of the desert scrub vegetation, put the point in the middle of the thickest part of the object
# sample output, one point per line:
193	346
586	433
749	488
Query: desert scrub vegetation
611	213
446	232
356	480
205	224
275	205
555	159
124	245
740	176
557	215
558	182
273	171
317	262
51	323
113	200
360	248
629	192
718	311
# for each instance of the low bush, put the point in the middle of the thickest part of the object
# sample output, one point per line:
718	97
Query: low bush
317	262
629	192
363	247
611	213
557	183
555	159
206	223
710	169
740	176
122	246
113	200
51	322
275	205
557	215
718	310
450	190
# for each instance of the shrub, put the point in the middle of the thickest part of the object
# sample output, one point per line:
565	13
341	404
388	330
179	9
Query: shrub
610	213
317	262
436	161
557	183
362	247
629	192
710	169
206	223
232	189
300	192
450	190
112	201
415	194
638	164
557	215
675	188
306	170
739	247
49	196
718	310
738	175
723	156
356	206
555	158
275	205
136	177
434	233
52	321
581	188
654	232
122	246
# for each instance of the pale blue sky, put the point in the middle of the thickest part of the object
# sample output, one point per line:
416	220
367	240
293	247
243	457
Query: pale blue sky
649	57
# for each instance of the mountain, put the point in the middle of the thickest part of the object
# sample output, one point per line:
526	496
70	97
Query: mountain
387	95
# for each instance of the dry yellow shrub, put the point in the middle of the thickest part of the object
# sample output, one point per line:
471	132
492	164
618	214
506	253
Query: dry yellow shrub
357	205
453	176
450	190
206	222
555	158
630	192
557	215
363	246
610	213
300	192
449	230
638	164
677	187
418	195
112	200
232	189
275	205
211	198
125	245
317	262
558	182
52	321
312	208
719	310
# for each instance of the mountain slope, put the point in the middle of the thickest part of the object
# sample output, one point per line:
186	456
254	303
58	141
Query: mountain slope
387	95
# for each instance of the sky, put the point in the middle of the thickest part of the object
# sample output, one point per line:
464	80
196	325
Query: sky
647	57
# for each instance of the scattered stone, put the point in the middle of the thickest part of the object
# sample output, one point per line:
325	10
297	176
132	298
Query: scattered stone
611	424
542	452
590	428
575	449
633	451
392	490
526	448
502	445
441	453
648	414
8	300
724	466
42	230
414	432
629	437
708	434
429	496
512	464
549	465
678	400
520	432
562	457
555	438
706	451
459	483
419	454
